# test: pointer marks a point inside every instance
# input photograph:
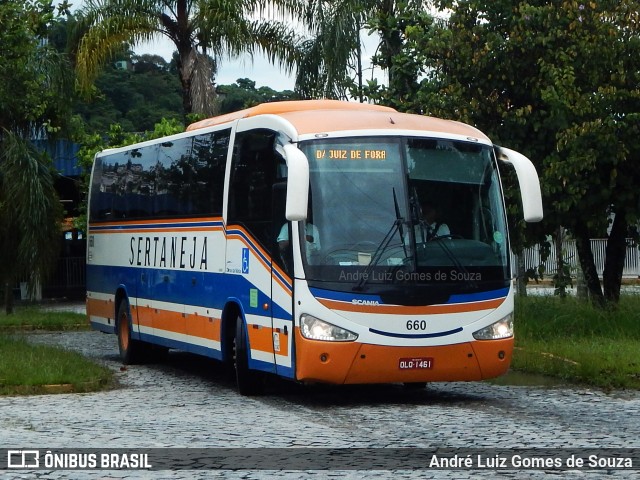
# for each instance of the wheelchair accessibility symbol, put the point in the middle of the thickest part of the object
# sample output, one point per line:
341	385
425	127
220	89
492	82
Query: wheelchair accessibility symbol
245	260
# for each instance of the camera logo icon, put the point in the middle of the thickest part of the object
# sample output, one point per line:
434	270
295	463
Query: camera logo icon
23	459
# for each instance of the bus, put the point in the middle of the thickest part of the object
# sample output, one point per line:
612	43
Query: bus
290	239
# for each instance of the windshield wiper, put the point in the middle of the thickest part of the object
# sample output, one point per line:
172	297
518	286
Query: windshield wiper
377	255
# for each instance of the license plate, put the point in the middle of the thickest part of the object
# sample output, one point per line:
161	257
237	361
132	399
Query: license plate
415	363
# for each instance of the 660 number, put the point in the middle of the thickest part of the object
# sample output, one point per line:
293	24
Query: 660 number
416	324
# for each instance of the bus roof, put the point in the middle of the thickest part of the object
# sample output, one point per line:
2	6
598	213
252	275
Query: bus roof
310	116
276	108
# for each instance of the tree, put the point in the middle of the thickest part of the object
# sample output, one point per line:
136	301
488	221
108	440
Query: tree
203	31
559	82
243	94
328	59
33	90
136	98
331	63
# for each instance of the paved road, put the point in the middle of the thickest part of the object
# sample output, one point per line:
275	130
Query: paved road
191	402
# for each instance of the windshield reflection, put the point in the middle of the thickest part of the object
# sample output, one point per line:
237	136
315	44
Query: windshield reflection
395	211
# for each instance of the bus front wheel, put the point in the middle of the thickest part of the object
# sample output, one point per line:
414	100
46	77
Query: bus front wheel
249	381
130	349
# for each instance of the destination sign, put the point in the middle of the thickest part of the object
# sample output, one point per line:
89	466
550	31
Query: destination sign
352	153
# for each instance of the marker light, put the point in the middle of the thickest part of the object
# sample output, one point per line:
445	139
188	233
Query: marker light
316	329
503	328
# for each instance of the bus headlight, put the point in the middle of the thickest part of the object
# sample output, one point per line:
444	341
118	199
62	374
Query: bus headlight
503	328
316	329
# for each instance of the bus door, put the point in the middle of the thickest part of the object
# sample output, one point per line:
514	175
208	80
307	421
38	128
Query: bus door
252	252
281	280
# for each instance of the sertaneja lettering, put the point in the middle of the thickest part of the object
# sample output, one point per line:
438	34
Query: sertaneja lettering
180	253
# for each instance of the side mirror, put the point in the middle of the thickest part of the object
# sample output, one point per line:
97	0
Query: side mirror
297	183
528	180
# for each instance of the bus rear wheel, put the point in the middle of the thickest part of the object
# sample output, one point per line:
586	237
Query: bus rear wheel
131	351
249	381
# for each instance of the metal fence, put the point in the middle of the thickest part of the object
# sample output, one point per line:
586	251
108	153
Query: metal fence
68	280
533	259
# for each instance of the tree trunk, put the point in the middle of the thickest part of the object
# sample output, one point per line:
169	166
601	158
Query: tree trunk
186	68
521	275
614	259
585	255
359	57
561	281
582	292
8	298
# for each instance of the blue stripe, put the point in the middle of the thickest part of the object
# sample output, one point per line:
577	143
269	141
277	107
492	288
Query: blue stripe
146	226
101	327
184	346
453	299
252	244
211	290
343	296
480	296
416	336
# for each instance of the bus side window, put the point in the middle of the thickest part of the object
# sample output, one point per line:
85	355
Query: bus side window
253	173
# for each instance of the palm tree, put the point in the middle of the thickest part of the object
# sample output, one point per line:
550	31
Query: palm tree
203	32
34	94
30	214
334	54
328	59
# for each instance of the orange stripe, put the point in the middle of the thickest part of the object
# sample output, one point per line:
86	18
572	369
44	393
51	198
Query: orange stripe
260	338
196	325
100	308
143	315
204	327
404	310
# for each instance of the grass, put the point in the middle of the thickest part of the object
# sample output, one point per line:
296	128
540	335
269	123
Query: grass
33	318
561	338
575	342
27	369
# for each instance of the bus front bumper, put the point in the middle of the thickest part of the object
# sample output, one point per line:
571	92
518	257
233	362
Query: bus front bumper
358	363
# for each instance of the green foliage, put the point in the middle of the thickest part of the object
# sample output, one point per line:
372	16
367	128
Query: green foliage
31	212
203	32
29	369
557	81
29	318
35	89
136	98
243	94
572	340
34	79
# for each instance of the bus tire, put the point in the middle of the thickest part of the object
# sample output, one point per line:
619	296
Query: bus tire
131	351
249	381
415	385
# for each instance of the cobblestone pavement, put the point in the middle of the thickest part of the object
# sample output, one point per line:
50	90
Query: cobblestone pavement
191	402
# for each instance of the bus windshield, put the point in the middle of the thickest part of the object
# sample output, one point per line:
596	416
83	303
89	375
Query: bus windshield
388	212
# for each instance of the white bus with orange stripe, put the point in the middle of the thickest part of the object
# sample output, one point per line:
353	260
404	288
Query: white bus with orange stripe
288	239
